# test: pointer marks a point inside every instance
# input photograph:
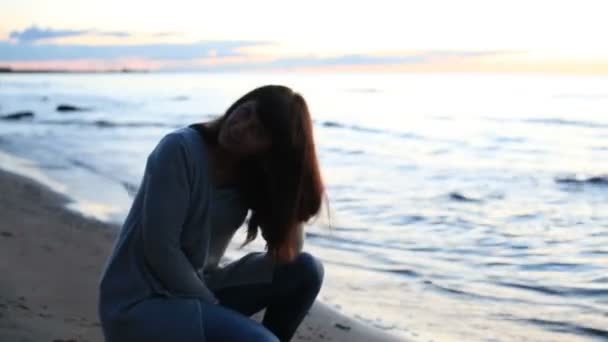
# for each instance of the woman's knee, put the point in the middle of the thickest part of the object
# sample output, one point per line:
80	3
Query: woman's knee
311	268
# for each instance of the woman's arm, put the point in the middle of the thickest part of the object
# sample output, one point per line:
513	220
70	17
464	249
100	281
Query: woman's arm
165	207
289	252
299	239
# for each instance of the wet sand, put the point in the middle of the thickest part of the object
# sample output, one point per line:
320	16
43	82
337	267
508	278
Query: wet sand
50	263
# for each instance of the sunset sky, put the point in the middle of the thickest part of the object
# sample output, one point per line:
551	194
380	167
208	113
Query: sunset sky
432	35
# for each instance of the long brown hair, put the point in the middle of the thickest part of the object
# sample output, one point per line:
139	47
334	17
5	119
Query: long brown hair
284	188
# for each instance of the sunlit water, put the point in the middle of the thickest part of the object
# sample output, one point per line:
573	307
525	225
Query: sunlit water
463	207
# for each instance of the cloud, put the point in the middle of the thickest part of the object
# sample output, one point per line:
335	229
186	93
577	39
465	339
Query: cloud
166	34
347	60
203	55
119	34
434	54
34	33
10	52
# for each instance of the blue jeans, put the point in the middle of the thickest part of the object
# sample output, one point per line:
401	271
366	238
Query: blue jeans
287	299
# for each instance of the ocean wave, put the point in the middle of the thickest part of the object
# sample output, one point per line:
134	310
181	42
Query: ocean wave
566	327
597	252
598	96
363	90
103	123
403	272
129	187
558	290
333	124
600	280
25	85
449	290
343	151
564	122
402	220
497	264
338	125
452	222
462	293
508	139
343	243
554	266
424	249
396	271
525	216
180	98
84	165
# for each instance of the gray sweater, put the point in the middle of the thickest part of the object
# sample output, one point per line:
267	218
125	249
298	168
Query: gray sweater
175	235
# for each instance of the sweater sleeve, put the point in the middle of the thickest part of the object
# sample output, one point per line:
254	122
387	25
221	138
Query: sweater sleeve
165	208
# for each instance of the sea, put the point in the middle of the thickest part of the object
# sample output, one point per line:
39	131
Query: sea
460	207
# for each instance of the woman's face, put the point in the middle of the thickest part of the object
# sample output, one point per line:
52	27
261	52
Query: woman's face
243	133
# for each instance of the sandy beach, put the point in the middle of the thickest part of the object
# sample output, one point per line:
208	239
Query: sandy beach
51	259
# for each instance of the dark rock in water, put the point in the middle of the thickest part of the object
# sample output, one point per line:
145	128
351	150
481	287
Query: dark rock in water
593	180
69	108
603	180
18	115
456	196
44	98
331	124
104	123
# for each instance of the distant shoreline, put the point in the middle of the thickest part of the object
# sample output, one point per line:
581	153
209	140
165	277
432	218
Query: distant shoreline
9	70
5	70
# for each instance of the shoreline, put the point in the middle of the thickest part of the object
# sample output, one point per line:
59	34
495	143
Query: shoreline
51	259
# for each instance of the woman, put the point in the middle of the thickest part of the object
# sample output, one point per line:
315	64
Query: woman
163	281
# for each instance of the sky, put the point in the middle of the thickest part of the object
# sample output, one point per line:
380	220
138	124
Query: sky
314	35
